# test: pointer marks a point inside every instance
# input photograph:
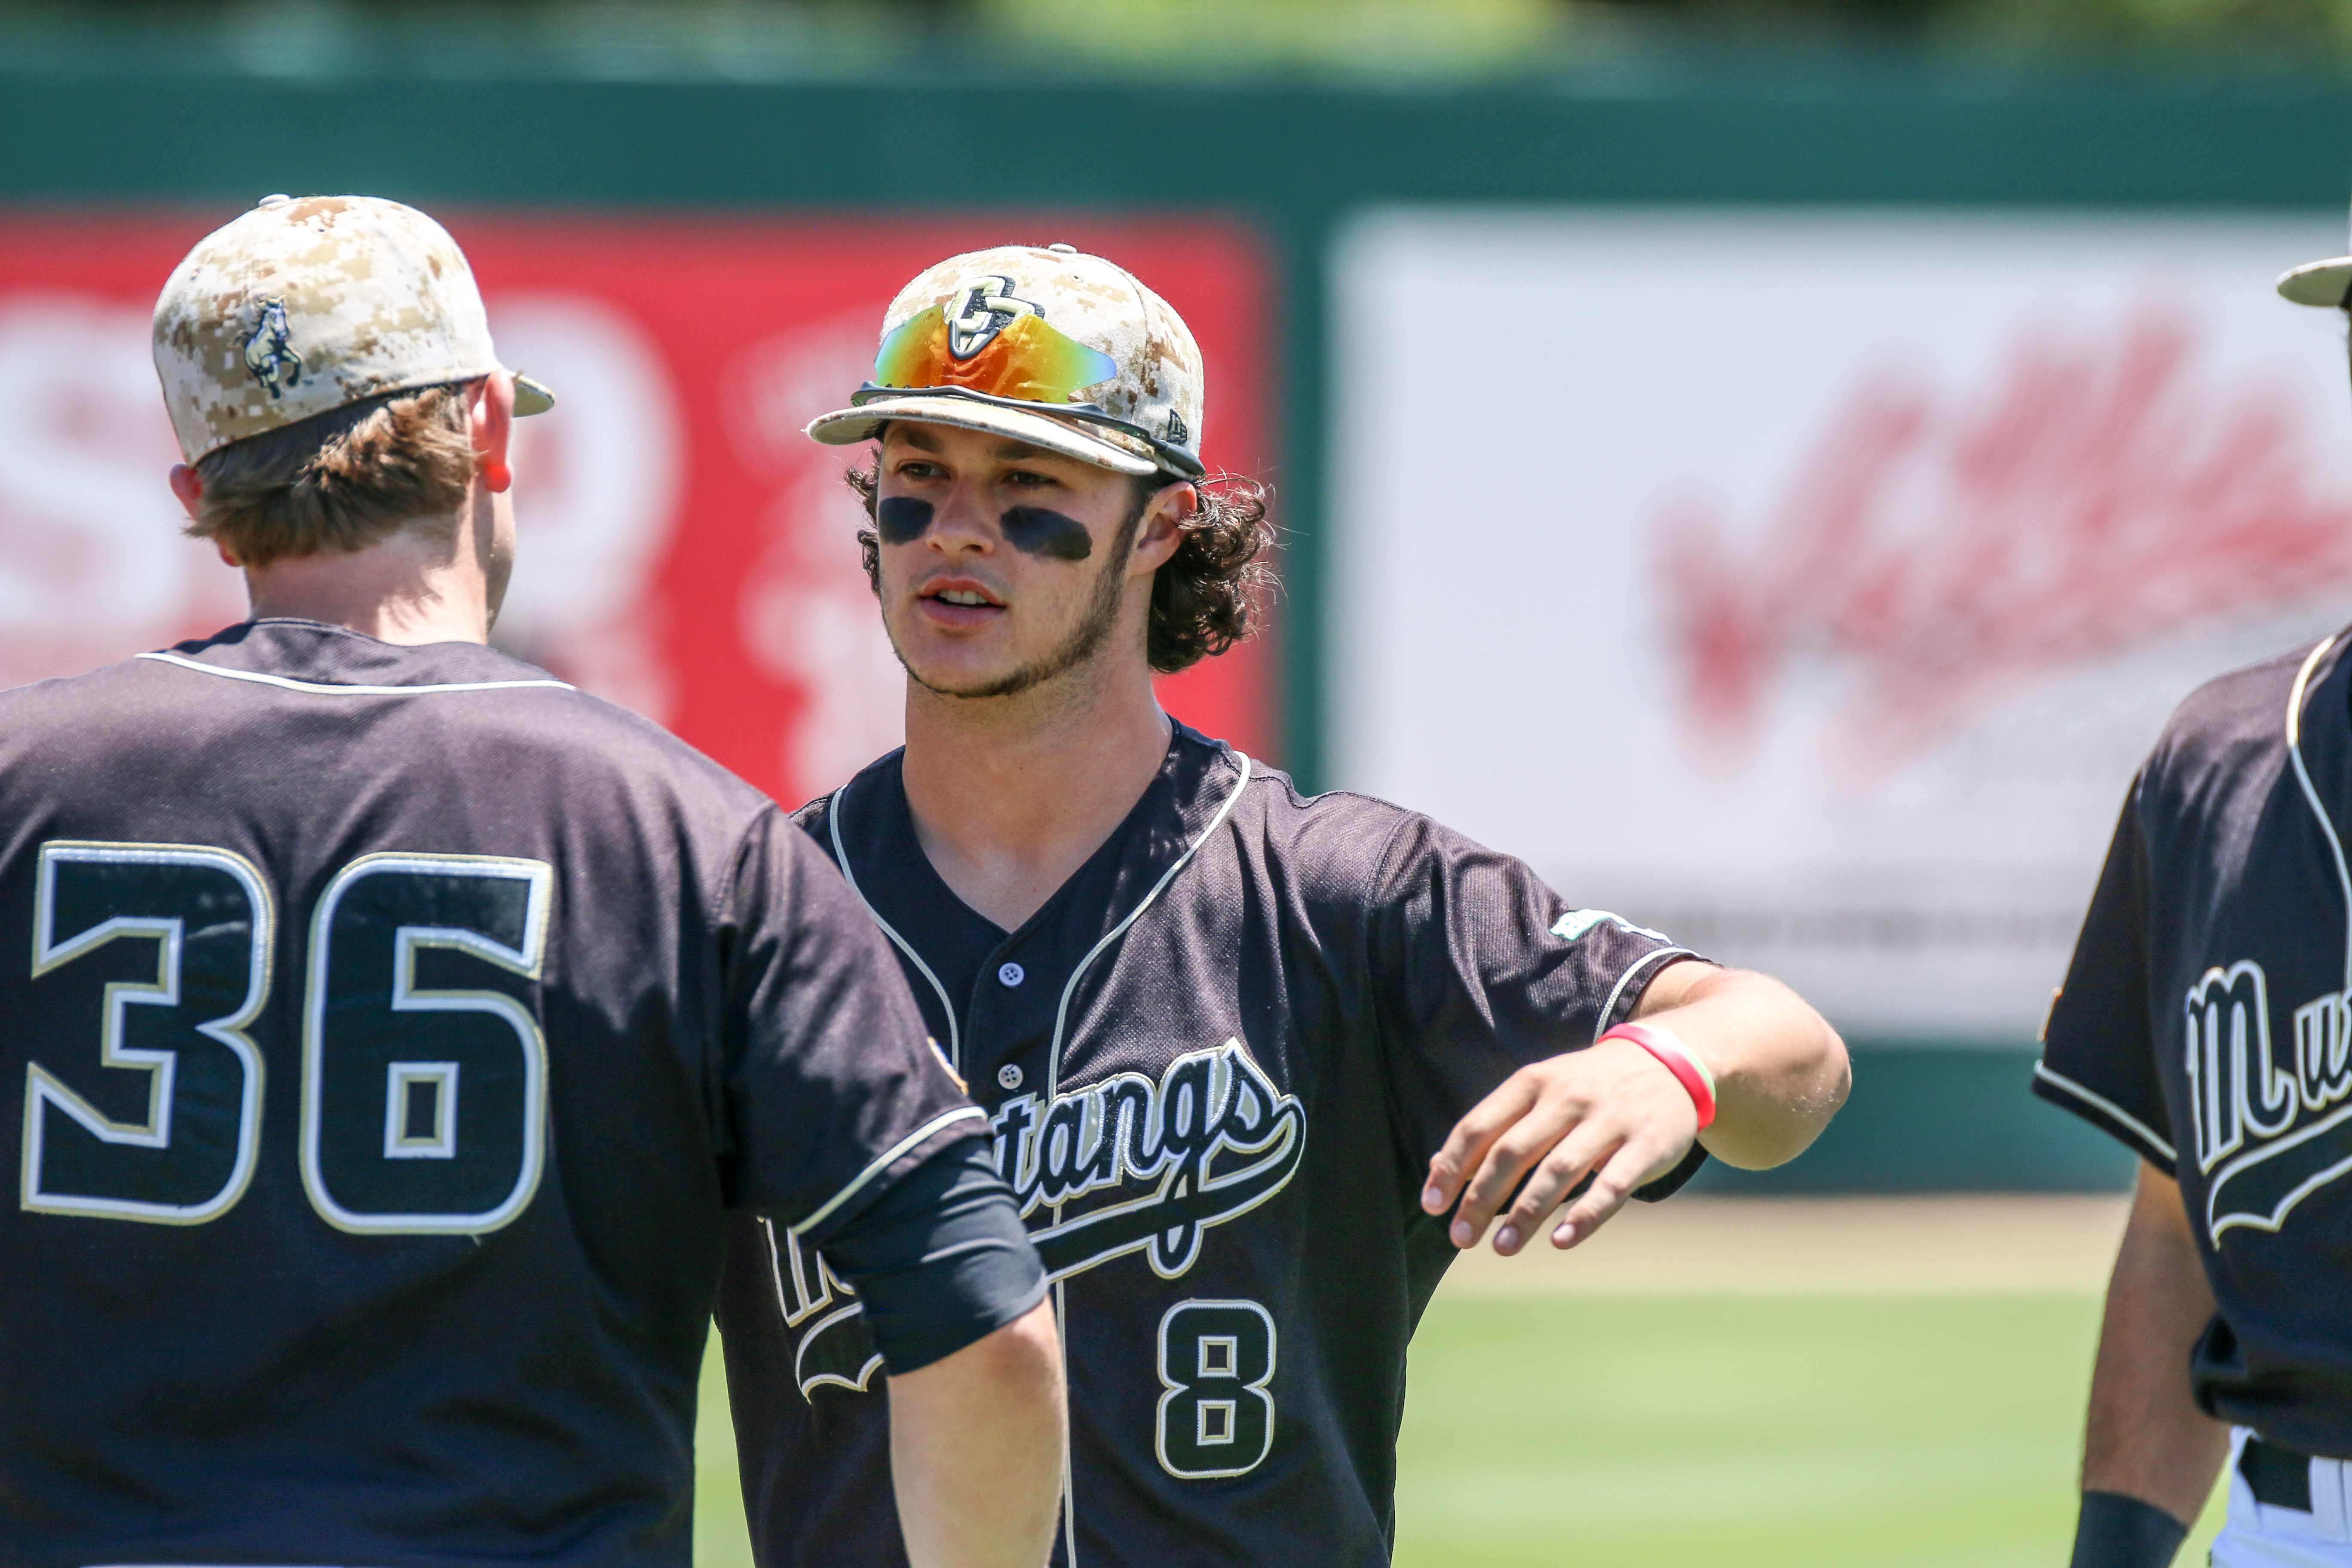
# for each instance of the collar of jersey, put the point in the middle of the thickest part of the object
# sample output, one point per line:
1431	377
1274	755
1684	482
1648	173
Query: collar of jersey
317	657
898	883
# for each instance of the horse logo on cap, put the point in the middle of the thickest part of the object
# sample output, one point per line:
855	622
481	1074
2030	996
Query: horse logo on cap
983	307
268	353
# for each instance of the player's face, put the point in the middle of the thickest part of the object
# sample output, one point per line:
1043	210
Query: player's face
1003	566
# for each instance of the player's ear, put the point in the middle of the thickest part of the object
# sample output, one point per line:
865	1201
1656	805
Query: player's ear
189	486
1163	527
490	416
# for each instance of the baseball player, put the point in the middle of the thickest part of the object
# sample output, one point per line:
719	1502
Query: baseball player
1243	1051
2206	1021
391	1025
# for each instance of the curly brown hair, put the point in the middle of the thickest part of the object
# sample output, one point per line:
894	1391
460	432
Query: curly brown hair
1211	593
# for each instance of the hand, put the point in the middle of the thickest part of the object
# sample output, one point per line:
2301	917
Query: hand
1612	1110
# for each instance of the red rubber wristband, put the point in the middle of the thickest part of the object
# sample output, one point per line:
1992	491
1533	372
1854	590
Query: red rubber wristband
1675	1058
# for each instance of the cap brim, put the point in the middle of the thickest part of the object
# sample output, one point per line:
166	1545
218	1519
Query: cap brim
2318	282
847	427
531	397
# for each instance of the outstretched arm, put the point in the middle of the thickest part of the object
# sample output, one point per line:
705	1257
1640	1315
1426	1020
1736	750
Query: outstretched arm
1780	1071
1614	1112
976	1445
2145	1445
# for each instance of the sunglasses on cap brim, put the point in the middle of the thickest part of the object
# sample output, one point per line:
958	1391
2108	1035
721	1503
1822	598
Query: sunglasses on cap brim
1027	365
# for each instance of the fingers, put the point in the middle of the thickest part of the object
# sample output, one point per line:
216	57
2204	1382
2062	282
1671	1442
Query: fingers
1465	1147
1509	1155
1636	1160
1586	1145
1618	1111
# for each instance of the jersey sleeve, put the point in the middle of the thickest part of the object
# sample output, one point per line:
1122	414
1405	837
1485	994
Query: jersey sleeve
831	1090
2098	1048
940	1258
1480	969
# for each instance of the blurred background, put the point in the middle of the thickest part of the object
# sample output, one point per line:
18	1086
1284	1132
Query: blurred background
1772	465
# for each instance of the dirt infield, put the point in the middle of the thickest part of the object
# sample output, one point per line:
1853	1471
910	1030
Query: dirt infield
1845	1246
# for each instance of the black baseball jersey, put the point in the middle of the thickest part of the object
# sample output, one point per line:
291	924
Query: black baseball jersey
387	1030
1216	1062
2204	1022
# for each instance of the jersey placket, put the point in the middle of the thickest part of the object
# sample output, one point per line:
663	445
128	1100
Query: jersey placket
1008	1026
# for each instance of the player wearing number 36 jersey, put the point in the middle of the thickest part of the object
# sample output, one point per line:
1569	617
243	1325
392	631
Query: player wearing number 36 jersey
1242	1051
388	1026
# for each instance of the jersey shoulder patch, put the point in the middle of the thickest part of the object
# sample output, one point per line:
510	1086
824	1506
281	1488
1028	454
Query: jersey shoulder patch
1577	923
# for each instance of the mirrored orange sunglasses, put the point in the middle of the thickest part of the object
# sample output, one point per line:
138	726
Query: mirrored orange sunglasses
1025	362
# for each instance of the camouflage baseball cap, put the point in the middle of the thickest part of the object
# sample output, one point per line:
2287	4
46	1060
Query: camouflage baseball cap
301	307
1043	343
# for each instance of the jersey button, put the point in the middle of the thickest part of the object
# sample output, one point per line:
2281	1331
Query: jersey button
1011	973
1009	1076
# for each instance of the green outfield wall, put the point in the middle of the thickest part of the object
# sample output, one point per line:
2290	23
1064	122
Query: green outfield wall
1294	164
1928	1118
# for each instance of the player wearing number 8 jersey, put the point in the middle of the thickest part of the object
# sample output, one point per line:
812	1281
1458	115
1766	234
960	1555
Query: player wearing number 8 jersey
394	1024
1242	1050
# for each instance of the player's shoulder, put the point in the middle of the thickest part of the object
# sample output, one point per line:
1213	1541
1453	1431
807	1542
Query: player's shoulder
1339	843
454	708
2230	733
818	819
1326	818
60	695
2251	700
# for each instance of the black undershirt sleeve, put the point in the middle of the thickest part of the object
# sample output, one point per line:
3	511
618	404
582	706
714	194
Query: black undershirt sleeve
940	1258
2117	1530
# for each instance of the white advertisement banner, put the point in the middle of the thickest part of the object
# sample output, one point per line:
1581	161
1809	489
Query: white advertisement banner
1810	585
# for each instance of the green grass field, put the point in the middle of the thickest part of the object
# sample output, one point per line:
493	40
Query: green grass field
1877	1431
1900	1432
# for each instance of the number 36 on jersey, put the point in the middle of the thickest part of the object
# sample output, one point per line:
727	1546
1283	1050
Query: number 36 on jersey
422	1087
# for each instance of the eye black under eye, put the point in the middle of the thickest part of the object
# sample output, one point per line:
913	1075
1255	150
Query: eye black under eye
901	520
1041	531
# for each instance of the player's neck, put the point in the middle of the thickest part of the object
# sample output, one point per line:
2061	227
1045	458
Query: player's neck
408	588
1012	795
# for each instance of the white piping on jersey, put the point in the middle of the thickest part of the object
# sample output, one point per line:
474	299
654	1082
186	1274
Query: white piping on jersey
1069	1466
1609	1011
2311	794
883	1160
326	689
1062	1013
2101	1102
947	1002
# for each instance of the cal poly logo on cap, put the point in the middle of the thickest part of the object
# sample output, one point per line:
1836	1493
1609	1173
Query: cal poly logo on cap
983	307
269	354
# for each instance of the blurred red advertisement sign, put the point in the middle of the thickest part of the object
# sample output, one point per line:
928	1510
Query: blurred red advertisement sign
1943	547
1822	577
684	550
